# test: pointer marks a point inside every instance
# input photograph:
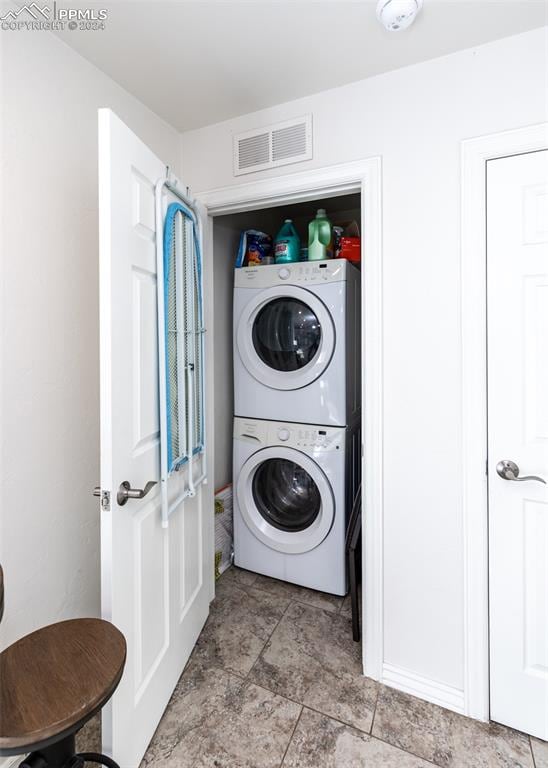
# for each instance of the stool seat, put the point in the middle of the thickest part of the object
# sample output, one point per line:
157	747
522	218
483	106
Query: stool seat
55	679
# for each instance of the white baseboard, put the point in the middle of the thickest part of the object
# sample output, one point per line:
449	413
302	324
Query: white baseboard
423	688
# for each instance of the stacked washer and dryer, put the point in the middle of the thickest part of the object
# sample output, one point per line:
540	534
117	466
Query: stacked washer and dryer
297	447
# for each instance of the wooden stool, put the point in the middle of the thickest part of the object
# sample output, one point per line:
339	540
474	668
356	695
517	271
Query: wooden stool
51	683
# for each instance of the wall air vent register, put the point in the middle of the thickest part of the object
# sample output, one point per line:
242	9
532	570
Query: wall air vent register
273	145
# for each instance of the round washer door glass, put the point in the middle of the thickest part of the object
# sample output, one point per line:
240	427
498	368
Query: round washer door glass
285	494
286	334
285	337
285	499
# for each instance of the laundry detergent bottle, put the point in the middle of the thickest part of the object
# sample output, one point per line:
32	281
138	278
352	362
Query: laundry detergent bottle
320	233
287	244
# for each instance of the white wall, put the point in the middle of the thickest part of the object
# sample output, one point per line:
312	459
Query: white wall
49	418
415	119
225	244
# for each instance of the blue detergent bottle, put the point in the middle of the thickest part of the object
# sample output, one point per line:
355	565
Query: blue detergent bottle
287	244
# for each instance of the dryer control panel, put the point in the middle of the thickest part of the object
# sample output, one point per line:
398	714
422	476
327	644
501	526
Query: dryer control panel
296	273
300	436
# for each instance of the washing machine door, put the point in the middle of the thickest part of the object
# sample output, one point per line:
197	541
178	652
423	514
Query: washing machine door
286	337
285	499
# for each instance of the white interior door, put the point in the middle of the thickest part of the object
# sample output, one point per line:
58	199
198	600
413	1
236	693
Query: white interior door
156	582
517	279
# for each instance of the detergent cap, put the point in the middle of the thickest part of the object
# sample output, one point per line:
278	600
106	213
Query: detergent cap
321	213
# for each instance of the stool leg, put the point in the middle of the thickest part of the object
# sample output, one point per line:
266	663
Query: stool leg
95	757
34	760
55	756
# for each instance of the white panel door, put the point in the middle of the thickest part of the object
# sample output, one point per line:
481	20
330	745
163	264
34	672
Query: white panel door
156	582
517	317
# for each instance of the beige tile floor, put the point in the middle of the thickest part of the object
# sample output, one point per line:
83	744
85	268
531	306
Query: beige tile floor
275	680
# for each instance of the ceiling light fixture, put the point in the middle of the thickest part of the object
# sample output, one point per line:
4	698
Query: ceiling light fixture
396	15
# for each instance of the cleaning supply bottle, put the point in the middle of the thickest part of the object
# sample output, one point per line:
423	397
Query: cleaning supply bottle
287	244
320	234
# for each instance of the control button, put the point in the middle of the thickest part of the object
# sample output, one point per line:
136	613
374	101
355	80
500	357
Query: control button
284	273
283	434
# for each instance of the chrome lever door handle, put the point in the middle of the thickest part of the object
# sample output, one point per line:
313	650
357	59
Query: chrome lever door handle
125	491
509	470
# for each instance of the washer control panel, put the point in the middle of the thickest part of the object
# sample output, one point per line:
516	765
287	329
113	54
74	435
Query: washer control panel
297	273
303	437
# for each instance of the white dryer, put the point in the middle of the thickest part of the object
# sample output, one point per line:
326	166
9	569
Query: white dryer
297	342
293	488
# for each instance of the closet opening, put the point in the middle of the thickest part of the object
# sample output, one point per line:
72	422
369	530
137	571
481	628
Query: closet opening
286	458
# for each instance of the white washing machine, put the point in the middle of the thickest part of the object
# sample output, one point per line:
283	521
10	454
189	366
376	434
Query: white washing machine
297	342
293	489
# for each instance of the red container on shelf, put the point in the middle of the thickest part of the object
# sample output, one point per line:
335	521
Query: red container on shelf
351	249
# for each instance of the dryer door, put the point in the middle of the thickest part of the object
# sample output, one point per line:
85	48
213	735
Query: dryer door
285	499
286	337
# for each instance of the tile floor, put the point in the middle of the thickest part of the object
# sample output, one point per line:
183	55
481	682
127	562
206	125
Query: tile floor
275	680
